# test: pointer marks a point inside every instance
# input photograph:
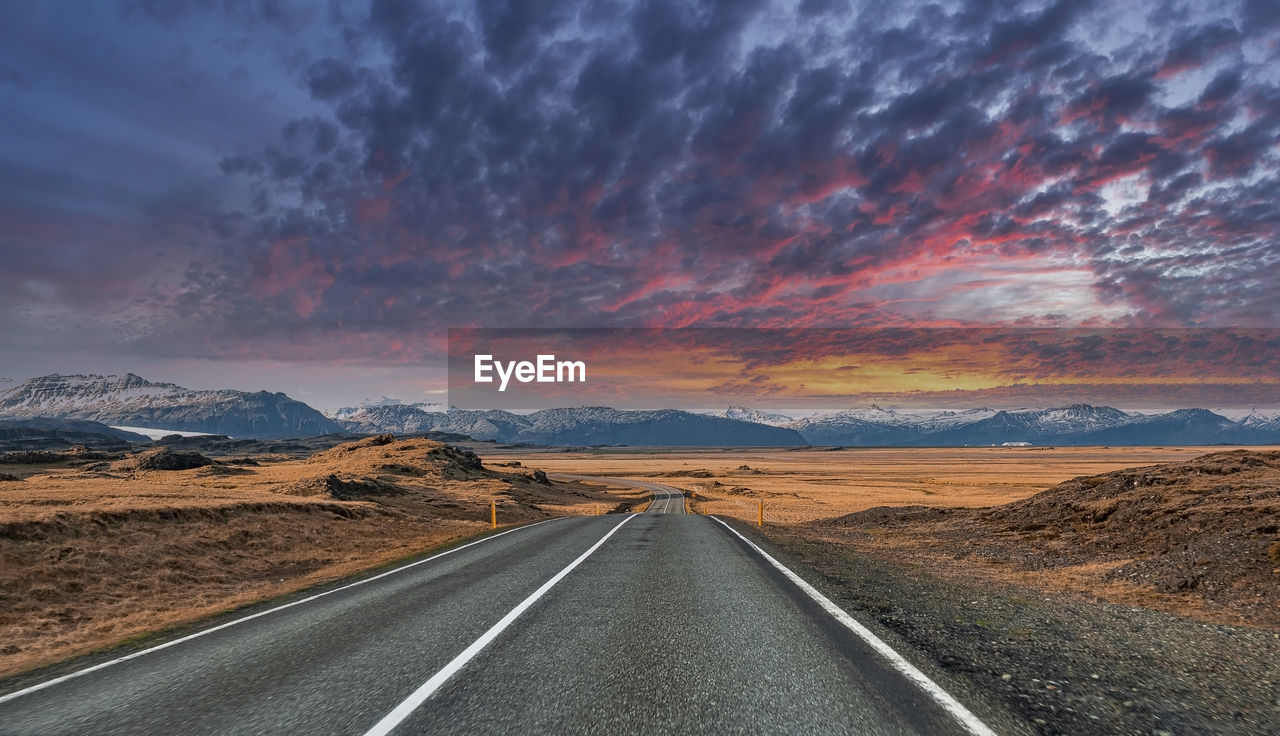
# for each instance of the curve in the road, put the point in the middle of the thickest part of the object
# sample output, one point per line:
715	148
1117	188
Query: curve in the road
666	499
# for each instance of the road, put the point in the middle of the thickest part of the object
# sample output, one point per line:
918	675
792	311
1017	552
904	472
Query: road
627	623
666	499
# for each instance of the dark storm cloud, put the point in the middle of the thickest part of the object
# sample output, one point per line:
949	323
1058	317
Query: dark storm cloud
377	173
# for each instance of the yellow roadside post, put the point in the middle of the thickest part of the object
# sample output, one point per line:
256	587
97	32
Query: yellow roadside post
760	517
493	514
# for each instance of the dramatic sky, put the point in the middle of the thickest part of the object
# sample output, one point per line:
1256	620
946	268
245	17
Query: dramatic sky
816	370
304	197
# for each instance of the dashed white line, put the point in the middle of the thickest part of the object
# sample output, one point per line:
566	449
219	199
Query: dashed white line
428	688
250	617
953	707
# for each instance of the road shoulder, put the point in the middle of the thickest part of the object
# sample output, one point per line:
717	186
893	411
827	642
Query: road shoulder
1061	663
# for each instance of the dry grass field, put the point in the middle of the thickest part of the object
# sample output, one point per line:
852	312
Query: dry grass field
1190	530
94	551
805	485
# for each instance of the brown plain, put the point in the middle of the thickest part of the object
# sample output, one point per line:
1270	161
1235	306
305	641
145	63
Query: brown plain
1196	535
92	554
95	553
800	486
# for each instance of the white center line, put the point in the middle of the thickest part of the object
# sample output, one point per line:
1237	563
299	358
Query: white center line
428	688
953	707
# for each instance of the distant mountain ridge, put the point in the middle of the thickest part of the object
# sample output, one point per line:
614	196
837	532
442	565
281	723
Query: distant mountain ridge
1262	421
388	406
1077	424
130	400
874	426
134	401
745	414
592	425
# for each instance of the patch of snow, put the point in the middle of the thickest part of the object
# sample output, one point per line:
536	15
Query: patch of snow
755	416
155	434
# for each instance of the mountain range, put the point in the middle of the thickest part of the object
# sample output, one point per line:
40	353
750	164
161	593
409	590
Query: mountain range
132	401
591	425
135	402
1078	424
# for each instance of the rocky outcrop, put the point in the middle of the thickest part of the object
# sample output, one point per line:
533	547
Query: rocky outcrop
162	458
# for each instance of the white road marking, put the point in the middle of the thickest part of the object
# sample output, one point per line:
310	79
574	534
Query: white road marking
189	637
953	707
653	488
666	498
428	688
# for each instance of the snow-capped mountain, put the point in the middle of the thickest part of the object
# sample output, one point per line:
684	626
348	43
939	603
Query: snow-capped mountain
1180	427
1039	426
394	418
392	406
592	425
937	421
756	416
603	425
133	401
876	425
872	426
1265	421
1077	417
1078	424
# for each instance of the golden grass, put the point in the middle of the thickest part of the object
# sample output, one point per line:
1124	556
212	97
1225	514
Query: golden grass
89	558
799	486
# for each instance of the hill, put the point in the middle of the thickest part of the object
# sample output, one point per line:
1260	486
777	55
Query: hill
1204	533
117	545
61	434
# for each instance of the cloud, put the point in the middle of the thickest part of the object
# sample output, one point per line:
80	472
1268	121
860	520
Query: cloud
352	181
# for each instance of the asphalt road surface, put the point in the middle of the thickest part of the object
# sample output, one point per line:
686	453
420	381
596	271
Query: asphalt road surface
627	623
666	500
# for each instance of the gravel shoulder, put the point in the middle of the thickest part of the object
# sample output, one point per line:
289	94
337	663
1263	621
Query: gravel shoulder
1063	662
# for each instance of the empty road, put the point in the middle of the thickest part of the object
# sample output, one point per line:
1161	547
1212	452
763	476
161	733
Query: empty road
666	500
630	623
